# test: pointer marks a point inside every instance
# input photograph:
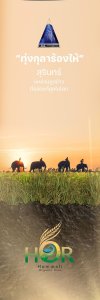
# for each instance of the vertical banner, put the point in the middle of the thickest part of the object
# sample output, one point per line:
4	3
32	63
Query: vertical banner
49	150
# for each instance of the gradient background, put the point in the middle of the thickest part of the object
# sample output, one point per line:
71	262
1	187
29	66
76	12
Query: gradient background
43	124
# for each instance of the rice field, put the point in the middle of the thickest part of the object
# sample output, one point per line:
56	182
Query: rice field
50	188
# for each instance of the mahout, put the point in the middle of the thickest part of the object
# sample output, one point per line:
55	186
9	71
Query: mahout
81	167
38	165
17	165
64	165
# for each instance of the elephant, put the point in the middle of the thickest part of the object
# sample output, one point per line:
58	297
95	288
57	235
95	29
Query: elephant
38	165
17	164
64	164
82	167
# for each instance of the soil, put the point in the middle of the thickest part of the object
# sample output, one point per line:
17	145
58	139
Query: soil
22	226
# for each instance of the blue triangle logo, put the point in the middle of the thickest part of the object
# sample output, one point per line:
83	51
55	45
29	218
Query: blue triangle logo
49	38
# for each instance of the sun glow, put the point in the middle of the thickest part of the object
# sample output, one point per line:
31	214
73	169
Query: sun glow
25	155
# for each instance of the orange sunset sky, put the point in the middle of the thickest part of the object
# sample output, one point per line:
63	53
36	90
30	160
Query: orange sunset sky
50	125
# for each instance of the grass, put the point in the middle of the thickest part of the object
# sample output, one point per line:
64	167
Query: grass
50	188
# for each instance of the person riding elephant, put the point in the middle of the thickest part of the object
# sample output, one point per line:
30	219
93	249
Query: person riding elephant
38	165
17	165
64	165
82	167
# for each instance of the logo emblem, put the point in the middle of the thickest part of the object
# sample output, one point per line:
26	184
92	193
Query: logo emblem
49	251
49	38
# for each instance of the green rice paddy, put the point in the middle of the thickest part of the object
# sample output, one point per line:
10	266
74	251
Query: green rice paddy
50	188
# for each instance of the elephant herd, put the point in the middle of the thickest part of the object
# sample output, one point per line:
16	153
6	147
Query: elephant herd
64	165
19	165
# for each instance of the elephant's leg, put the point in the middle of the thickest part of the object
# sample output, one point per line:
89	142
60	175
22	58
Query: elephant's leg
62	169
30	169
